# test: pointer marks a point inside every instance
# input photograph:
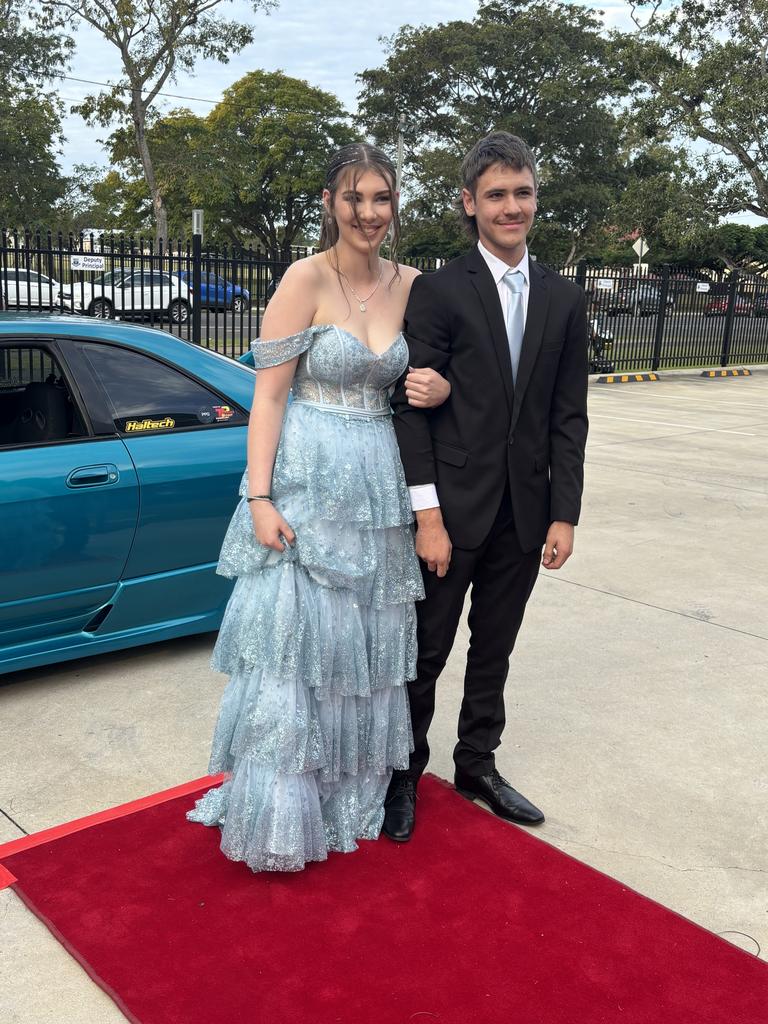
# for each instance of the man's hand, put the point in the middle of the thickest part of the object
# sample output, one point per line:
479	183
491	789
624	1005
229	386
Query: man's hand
558	545
433	545
426	389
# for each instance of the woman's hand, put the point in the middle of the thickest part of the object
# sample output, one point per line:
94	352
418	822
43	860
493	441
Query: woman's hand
269	525
426	389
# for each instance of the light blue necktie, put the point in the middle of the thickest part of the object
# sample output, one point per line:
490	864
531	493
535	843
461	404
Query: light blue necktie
515	320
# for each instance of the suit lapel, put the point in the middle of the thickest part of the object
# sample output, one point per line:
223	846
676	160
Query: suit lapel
536	318
485	286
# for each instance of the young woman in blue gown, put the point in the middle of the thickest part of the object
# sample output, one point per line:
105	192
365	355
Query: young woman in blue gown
319	637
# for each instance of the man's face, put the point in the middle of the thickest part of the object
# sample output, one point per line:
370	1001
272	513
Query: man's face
504	205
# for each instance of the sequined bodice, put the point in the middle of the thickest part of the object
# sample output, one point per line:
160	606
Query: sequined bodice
339	370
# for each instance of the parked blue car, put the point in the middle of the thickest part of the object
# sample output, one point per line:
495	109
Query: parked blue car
217	293
121	451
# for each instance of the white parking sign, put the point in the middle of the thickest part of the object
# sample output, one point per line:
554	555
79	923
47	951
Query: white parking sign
86	262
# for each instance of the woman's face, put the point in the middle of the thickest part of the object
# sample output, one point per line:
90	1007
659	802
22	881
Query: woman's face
362	210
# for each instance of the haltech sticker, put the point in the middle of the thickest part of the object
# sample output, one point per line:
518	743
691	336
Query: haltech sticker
132	426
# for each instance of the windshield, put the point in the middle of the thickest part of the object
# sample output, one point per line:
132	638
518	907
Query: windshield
110	276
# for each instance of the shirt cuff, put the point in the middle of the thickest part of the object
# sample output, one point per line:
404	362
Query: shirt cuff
423	496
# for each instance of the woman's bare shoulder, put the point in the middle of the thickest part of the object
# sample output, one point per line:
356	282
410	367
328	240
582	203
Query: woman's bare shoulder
305	271
408	273
294	304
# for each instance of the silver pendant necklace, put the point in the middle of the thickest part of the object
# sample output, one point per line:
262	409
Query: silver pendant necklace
361	301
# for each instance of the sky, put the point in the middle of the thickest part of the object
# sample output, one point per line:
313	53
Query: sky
325	42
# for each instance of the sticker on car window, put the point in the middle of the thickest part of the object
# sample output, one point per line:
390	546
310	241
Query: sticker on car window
134	426
205	415
223	412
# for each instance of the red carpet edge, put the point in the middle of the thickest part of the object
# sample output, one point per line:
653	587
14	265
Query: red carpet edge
49	835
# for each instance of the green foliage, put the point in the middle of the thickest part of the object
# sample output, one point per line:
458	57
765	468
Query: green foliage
32	48
155	39
256	165
441	236
266	151
99	199
699	68
537	69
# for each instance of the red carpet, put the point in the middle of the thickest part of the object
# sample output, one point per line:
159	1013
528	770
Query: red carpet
473	922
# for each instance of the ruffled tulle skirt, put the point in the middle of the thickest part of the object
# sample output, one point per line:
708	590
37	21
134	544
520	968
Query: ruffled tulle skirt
319	642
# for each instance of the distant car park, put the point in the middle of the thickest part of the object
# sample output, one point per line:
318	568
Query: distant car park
121	451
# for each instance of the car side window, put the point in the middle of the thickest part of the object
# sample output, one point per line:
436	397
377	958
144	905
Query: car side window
36	405
147	396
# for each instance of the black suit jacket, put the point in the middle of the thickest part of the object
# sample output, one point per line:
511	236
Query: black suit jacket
489	430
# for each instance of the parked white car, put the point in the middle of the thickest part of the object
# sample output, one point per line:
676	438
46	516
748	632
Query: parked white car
27	289
131	294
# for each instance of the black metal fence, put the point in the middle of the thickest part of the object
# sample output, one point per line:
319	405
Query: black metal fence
669	317
215	298
673	316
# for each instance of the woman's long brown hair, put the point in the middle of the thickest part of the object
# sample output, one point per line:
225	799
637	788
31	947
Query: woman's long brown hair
358	158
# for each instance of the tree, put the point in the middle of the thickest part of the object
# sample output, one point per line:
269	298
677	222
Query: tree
267	149
110	201
31	51
701	68
538	69
668	198
155	39
256	164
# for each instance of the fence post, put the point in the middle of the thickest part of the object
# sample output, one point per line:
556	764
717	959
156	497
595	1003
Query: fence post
581	274
197	286
3	266
729	314
661	317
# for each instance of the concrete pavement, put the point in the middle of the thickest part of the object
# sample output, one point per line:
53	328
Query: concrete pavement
637	704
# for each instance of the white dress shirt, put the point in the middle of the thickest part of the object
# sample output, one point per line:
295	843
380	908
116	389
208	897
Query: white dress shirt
425	495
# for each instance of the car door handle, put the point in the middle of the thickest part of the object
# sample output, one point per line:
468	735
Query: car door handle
93	476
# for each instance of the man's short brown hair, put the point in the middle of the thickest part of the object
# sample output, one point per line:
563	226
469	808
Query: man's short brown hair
496	148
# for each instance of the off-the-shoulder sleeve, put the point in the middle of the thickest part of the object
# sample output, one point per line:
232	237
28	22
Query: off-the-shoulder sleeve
281	350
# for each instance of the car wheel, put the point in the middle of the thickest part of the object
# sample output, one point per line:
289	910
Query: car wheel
101	309
178	311
238	304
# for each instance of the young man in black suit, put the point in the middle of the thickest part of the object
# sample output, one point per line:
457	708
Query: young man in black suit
497	470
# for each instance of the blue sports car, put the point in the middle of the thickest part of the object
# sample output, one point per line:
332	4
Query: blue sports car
121	451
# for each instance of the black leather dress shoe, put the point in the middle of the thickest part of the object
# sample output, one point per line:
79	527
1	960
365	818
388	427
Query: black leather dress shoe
497	793
400	809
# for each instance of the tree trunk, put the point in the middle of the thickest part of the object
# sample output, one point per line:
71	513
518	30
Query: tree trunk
138	115
571	257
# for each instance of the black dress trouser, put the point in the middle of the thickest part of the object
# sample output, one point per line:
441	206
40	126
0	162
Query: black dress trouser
502	578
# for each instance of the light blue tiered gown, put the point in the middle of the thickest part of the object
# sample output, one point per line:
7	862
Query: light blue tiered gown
320	640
